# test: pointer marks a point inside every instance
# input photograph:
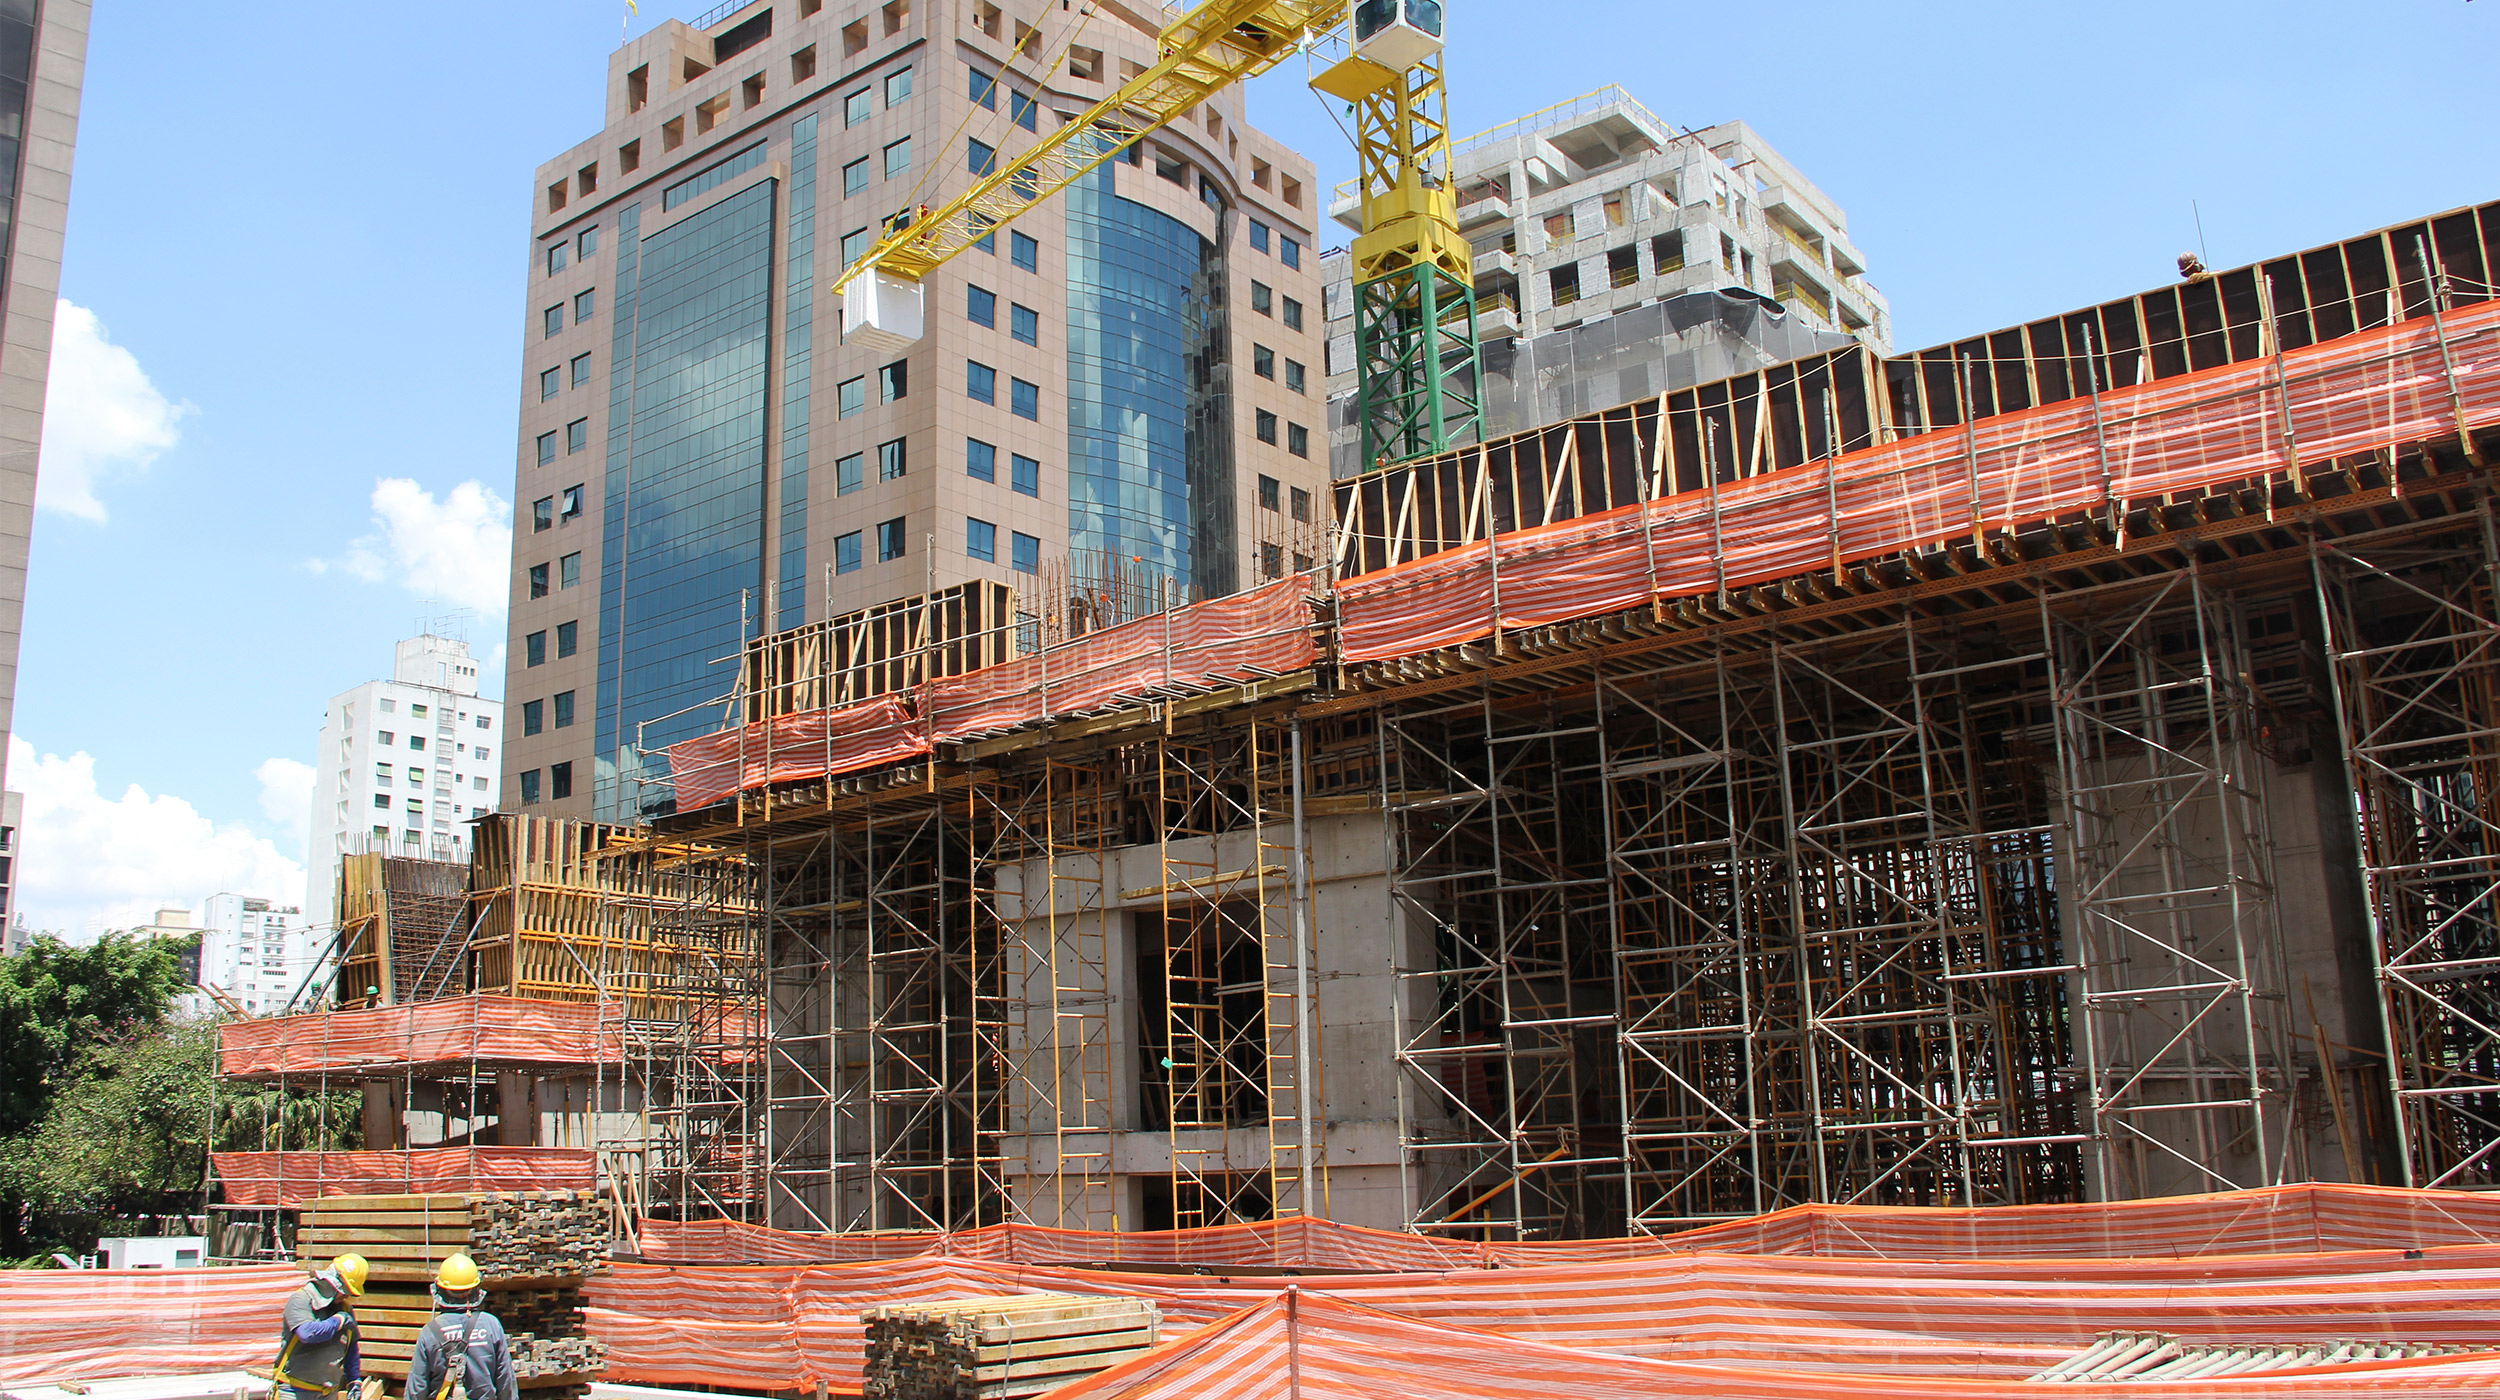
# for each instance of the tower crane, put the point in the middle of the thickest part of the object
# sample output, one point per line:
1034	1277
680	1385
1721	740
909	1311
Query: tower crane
1415	333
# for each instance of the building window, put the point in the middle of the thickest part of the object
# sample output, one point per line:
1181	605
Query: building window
552	319
855	109
1024	399
981	540
897	87
538	580
417	742
890	460
1301	507
387	738
850	396
550	380
533	716
581	369
1027	478
846	474
1024	252
1267	434
980	306
529	786
1297	440
1290	251
1262	362
984	89
478	783
1258	235
546	448
846	553
564	709
893	381
587	243
583	304
576	435
1025	110
568	637
980	382
1666	252
1262	298
890	539
1564	282
382	800
980	157
1293	314
535	647
560	781
1024	553
980	460
1268	486
855	177
1271	561
1293	375
484	722
572	503
897	157
569	570
542	517
1025	324
555	257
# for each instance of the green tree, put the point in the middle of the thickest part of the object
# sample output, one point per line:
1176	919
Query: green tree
57	1002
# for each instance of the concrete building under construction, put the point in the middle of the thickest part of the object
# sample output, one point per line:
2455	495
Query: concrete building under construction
2045	767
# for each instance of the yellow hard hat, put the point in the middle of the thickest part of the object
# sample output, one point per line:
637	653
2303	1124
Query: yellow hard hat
350	1269
458	1274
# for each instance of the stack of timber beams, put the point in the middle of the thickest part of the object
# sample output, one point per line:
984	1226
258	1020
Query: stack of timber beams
1001	1348
534	1251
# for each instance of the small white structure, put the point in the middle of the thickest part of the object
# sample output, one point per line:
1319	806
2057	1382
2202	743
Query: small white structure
152	1252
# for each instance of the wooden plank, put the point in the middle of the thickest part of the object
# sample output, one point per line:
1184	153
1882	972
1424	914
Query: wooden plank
381	1234
434	1202
1085	1343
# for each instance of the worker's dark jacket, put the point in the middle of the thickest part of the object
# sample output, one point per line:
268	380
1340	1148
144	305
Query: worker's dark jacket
317	1343
474	1339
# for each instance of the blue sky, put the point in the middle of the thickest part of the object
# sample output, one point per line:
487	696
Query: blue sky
298	234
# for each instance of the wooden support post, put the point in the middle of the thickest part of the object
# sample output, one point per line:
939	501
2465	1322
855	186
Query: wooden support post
2438	282
1710	474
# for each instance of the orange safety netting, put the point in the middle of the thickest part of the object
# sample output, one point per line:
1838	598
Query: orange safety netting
492	1029
1266	631
2315	1217
1887	1292
294	1178
1307	1346
69	1324
2372	389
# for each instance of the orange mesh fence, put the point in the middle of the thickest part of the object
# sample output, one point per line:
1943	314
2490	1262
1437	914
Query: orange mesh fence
1266	631
496	1029
1297	1241
1884	1319
2226	424
72	1324
296	1178
1313	1347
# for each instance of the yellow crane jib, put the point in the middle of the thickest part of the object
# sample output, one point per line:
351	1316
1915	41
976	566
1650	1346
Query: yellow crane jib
1218	43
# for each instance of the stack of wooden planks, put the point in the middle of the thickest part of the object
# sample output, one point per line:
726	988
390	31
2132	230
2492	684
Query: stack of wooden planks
1001	1348
533	1249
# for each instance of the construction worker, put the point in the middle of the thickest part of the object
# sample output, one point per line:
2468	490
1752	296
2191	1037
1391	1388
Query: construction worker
317	1339
461	1351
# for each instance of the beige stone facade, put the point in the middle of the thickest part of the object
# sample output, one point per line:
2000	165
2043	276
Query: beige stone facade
685	104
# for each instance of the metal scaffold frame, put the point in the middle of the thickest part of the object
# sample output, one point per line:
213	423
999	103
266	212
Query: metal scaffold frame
2168	883
2412	633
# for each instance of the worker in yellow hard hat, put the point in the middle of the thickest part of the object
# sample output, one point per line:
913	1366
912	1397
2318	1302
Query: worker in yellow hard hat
317	1353
461	1353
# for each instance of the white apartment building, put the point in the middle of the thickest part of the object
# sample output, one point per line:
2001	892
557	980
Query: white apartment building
254	950
1618	256
403	766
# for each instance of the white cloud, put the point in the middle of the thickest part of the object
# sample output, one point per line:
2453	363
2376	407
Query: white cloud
286	795
102	418
88	862
457	549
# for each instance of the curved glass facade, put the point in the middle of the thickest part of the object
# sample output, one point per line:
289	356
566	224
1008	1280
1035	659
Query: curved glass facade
685	511
1150	471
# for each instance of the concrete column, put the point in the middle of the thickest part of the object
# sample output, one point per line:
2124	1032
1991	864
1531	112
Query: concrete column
516	1117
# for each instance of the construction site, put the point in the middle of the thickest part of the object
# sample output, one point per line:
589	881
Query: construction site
1933	874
